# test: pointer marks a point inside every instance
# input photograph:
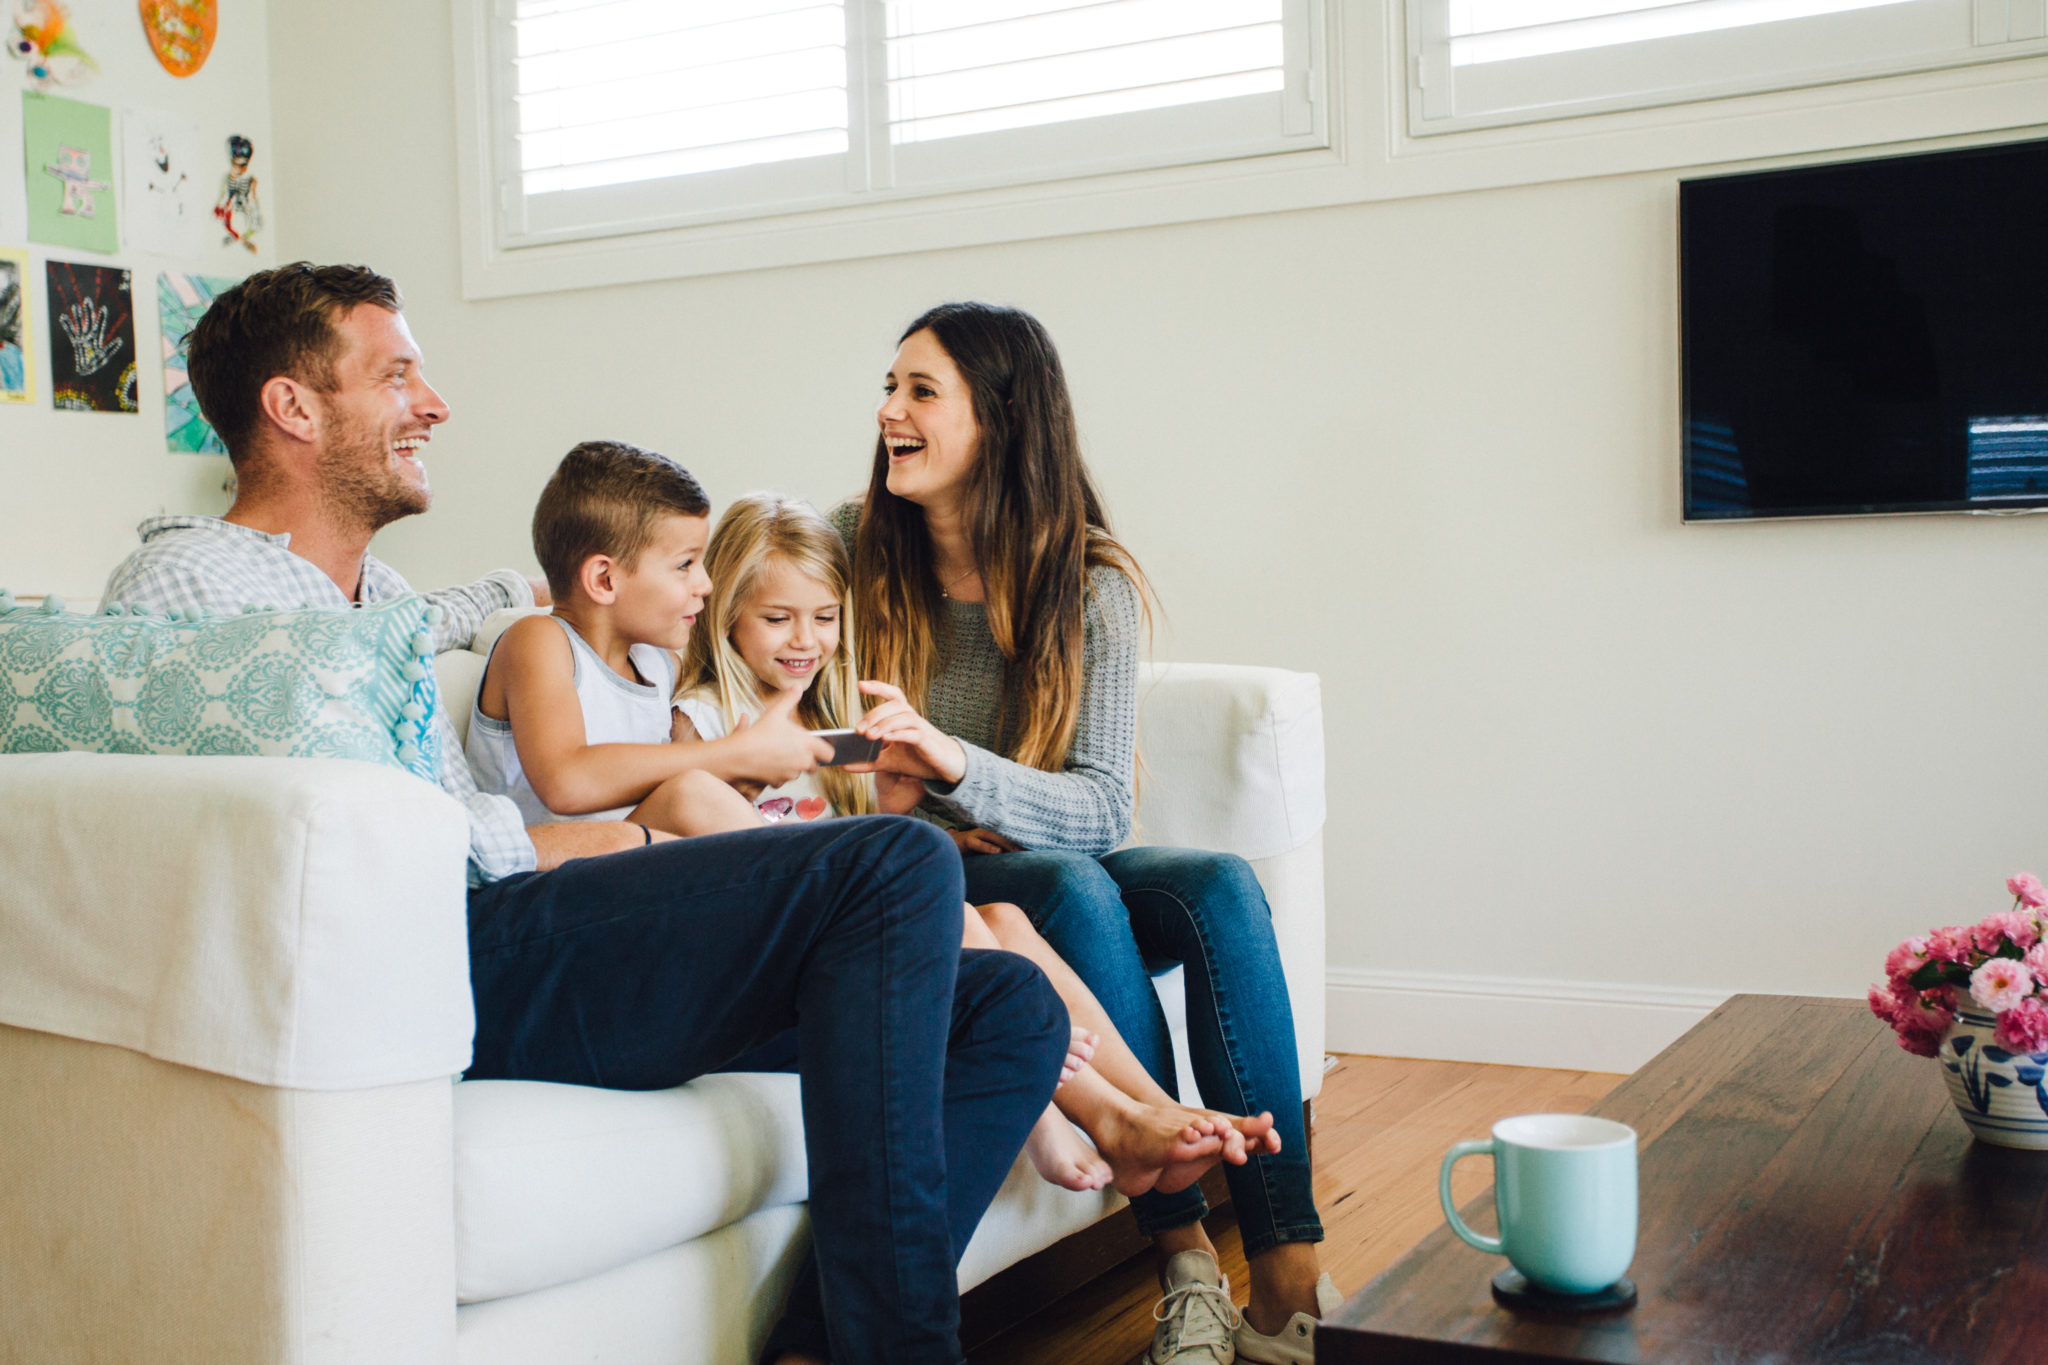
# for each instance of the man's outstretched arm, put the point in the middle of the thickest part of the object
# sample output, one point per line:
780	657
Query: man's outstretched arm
464	608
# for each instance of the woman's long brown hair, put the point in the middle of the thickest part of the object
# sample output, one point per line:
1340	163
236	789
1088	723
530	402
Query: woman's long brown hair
1035	526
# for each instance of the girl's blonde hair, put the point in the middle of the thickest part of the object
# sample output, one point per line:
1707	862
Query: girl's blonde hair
755	530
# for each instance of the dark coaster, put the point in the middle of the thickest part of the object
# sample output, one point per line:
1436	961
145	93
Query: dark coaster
1511	1289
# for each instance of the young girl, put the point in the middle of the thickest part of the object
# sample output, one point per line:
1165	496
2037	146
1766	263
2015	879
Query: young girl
777	620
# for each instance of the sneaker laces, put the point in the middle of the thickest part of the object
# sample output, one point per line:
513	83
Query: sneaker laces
1195	1314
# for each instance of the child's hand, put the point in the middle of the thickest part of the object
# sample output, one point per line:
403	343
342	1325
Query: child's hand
896	794
982	841
775	749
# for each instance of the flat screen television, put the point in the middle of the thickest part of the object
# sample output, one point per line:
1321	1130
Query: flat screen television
1870	337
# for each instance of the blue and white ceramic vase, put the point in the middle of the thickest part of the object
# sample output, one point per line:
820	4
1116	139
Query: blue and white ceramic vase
2002	1095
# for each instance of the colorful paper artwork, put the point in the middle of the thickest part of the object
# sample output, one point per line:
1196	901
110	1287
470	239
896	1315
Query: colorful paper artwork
69	147
237	207
92	338
163	184
17	373
41	36
180	32
181	300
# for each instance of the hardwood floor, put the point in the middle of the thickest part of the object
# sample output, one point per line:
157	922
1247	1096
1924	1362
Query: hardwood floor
1382	1125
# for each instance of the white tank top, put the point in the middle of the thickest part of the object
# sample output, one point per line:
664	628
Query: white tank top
802	799
615	711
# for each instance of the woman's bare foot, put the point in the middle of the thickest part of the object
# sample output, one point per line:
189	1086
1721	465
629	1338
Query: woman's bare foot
1257	1131
1080	1051
1062	1156
1150	1148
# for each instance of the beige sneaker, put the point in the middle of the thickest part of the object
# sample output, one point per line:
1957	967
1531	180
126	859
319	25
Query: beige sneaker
1196	1317
1294	1344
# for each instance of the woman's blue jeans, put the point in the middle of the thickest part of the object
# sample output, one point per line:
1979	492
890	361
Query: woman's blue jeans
1109	918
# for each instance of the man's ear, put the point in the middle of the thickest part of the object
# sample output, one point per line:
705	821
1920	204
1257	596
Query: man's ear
599	579
290	406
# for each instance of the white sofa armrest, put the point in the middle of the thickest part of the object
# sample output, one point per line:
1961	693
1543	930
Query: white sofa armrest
1233	762
290	922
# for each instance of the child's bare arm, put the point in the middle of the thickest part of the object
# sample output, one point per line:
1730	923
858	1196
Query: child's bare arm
531	684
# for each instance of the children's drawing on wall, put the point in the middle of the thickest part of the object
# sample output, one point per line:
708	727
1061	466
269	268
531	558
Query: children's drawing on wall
70	151
17	374
180	32
238	208
39	34
92	338
181	299
163	184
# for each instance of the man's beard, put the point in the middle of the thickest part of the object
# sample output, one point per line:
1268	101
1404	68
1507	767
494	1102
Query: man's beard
359	481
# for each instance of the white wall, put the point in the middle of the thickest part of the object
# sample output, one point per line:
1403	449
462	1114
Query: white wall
1426	448
73	485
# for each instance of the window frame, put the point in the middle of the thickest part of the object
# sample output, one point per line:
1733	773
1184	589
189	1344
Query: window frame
870	173
1371	158
1428	70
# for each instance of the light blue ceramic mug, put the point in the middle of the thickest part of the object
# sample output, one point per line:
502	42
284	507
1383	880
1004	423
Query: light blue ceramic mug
1564	1186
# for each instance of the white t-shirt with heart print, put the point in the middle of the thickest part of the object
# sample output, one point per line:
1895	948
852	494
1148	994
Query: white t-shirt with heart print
798	800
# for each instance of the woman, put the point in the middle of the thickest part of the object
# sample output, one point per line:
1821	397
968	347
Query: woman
989	592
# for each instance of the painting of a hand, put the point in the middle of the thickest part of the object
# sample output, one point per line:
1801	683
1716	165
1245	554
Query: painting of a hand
85	322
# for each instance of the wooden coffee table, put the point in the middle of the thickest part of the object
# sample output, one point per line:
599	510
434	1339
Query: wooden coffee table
1807	1195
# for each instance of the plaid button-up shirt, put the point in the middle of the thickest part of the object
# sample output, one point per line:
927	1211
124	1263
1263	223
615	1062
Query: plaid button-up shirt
219	567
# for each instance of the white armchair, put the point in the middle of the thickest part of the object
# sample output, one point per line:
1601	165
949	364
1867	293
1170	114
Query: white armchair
233	993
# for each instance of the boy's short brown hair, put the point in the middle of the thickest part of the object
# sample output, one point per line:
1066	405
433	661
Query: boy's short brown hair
605	499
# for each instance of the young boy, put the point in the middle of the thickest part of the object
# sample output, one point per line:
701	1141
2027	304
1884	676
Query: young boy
573	719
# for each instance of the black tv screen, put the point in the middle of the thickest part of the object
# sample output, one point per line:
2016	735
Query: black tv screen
1868	337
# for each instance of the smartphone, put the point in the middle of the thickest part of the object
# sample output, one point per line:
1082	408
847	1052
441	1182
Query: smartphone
849	747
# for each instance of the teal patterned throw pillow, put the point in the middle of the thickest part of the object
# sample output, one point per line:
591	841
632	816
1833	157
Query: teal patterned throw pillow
333	683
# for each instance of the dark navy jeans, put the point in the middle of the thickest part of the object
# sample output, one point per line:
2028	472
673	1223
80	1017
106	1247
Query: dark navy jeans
1114	916
923	1068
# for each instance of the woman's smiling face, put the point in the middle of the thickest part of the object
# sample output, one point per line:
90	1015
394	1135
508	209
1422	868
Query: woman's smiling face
927	421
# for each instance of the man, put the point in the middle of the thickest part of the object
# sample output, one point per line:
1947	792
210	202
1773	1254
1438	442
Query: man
923	1068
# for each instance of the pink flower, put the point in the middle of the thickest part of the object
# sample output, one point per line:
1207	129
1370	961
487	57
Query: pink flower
2001	983
1904	960
1939	1000
1883	1005
2027	889
1951	944
1920	1043
2024	1027
2037	961
1925	1011
2006	924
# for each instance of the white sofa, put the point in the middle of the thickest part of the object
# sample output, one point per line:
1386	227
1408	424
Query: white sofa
233	993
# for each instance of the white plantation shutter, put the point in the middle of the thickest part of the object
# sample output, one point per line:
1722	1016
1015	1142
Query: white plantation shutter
613	102
1476	62
623	115
958	67
980	90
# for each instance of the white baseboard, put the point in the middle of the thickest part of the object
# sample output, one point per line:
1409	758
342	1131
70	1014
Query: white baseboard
1508	1021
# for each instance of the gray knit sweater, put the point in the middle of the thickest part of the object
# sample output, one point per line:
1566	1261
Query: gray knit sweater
1085	807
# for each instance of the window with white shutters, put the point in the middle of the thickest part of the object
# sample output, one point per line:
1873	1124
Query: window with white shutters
616	116
1474	63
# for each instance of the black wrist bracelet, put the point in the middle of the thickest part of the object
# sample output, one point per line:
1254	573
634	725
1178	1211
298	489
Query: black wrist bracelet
646	835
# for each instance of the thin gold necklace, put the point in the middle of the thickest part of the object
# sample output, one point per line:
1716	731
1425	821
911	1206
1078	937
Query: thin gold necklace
946	588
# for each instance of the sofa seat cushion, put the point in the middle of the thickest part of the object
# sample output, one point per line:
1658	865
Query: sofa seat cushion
556	1182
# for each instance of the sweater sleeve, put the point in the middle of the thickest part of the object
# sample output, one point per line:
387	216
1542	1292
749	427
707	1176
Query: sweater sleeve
845	519
1086	806
464	608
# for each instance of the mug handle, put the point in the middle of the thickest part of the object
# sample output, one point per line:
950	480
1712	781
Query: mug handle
1443	1193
